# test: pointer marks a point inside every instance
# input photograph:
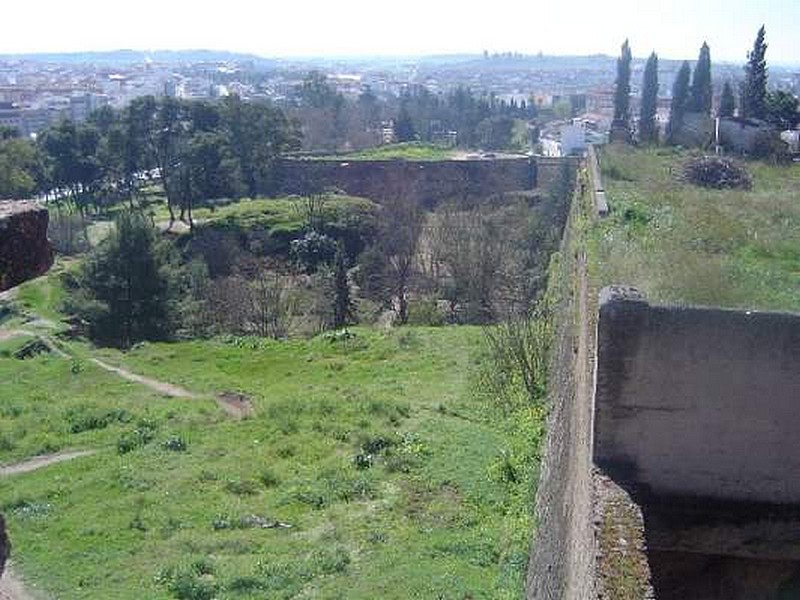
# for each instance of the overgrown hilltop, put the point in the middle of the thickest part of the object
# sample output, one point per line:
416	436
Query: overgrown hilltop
682	243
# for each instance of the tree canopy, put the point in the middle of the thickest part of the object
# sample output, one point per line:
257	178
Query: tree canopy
123	288
727	102
648	128
680	96
622	92
753	103
700	93
781	109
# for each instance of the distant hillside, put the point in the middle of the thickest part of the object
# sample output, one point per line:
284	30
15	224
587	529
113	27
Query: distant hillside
125	57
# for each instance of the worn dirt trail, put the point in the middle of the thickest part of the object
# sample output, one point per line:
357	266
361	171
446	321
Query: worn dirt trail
236	406
12	587
39	462
161	387
7	334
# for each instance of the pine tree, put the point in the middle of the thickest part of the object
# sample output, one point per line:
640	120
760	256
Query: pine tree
727	103
622	91
648	129
754	88
124	291
700	94
342	302
680	97
404	127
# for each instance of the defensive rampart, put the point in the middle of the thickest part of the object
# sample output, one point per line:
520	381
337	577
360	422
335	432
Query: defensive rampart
695	427
428	182
699	401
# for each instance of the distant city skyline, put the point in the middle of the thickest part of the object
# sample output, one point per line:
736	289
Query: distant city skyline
314	28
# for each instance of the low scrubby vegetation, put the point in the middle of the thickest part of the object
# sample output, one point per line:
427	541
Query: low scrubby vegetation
679	242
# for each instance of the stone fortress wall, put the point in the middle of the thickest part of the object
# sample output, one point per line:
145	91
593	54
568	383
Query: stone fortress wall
428	182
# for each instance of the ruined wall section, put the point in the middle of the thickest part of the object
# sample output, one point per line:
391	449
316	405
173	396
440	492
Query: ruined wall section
561	564
24	250
428	182
24	253
699	402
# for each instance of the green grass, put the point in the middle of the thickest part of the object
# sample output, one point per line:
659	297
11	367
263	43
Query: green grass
274	215
430	513
278	214
42	296
401	151
683	244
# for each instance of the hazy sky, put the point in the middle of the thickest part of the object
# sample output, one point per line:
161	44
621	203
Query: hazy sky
674	28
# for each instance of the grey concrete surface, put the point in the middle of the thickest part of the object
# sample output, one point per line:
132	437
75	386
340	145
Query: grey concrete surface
698	402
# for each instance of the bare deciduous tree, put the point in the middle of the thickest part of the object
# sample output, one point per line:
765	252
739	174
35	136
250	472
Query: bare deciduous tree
271	304
401	222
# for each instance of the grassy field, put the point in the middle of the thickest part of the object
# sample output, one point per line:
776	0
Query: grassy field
683	244
374	467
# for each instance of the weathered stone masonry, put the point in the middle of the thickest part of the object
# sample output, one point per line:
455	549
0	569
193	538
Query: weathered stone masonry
428	182
24	249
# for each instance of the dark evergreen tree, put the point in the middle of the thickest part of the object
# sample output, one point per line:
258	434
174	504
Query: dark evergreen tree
404	127
727	103
622	91
754	88
343	310
700	93
680	97
648	128
781	109
124	290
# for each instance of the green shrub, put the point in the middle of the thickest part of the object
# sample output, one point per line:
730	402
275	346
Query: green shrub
331	561
83	419
241	487
189	586
268	478
139	437
425	311
175	444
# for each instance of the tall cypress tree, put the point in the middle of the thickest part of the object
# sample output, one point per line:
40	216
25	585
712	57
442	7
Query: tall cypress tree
680	97
727	103
622	92
648	129
700	93
754	88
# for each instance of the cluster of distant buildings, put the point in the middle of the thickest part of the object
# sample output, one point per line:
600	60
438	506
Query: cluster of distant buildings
36	94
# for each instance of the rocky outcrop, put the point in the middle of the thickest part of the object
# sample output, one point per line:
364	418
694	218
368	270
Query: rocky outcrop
24	250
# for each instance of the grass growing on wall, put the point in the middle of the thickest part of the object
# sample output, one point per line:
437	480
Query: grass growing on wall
400	151
683	244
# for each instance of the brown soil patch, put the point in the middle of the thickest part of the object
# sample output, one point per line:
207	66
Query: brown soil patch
12	588
235	404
